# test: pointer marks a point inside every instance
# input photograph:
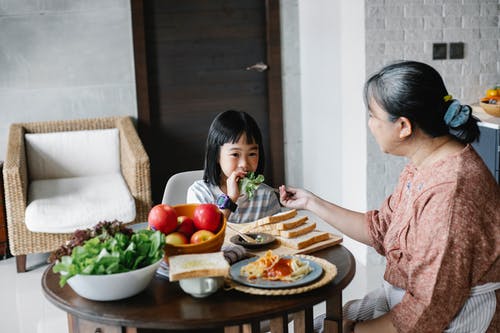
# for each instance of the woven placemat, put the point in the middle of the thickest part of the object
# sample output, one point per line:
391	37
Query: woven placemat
329	273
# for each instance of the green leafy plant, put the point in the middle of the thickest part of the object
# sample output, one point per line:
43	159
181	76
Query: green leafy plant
110	253
250	183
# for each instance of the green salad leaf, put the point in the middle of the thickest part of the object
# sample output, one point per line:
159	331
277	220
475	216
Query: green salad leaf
109	254
250	183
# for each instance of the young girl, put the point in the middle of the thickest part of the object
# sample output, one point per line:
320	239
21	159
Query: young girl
234	148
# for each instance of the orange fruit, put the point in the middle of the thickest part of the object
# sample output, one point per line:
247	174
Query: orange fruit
492	92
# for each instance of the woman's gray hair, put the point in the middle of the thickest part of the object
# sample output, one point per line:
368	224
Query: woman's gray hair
417	92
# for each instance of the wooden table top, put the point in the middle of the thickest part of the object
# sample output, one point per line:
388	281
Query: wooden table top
163	304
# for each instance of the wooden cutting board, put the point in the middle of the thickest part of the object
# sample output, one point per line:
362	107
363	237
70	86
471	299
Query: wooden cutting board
280	249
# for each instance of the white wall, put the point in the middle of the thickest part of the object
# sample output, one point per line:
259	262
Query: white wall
354	120
64	59
332	74
320	93
291	77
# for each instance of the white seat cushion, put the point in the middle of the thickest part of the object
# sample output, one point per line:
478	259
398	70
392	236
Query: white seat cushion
73	153
66	204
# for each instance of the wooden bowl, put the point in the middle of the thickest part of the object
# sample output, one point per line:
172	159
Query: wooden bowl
212	245
491	109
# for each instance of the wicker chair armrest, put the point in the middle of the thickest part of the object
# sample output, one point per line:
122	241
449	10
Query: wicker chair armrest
135	166
15	174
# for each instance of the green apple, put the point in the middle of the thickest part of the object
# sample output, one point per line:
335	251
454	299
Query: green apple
201	236
176	238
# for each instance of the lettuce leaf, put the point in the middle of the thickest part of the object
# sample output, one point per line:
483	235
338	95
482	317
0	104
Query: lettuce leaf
107	254
250	183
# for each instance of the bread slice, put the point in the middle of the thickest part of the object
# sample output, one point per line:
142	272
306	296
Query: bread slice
273	228
306	240
295	232
300	230
197	265
283	216
291	223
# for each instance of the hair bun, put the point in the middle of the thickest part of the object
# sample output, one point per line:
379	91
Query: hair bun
457	114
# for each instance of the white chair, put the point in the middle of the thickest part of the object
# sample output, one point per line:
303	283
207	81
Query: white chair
59	176
176	189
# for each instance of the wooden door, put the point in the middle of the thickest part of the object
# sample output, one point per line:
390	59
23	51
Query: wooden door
192	59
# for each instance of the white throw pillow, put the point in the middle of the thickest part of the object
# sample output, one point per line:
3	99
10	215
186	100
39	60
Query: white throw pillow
66	204
73	153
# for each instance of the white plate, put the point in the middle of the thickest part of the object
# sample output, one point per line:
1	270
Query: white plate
316	272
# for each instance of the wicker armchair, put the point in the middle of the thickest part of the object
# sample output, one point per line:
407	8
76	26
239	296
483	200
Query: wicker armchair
134	165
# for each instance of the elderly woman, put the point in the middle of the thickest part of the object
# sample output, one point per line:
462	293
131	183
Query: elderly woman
440	228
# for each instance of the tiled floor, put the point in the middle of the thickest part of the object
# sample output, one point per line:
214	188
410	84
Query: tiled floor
24	308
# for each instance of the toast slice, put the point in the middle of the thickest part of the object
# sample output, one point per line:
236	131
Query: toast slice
292	223
197	265
273	228
301	230
306	240
295	232
283	216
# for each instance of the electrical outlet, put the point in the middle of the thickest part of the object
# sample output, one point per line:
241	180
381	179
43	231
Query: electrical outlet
456	50
438	51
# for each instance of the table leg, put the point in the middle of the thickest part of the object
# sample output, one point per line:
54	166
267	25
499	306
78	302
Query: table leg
303	321
78	325
279	324
232	329
253	327
276	325
333	319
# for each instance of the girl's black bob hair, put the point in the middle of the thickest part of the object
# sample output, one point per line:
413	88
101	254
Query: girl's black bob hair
228	127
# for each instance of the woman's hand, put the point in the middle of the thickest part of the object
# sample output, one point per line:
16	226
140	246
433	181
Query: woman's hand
291	197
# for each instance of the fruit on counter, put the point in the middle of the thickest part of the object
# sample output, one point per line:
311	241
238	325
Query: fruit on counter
492	96
207	217
163	217
185	224
493	92
201	236
176	238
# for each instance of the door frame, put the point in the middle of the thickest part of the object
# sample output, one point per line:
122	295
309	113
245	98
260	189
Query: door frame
274	84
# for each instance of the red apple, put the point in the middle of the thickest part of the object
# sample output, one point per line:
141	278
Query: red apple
201	236
207	217
185	224
176	238
163	218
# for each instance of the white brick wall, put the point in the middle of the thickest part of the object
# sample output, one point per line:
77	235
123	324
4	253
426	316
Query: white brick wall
406	30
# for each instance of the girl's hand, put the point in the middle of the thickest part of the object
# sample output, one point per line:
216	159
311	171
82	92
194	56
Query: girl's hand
348	325
233	190
293	197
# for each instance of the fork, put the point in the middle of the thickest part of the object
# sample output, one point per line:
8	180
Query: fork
245	237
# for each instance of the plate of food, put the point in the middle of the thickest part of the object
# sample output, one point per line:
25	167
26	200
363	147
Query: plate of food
261	240
272	271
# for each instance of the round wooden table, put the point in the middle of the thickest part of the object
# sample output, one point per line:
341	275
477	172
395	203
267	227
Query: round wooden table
163	305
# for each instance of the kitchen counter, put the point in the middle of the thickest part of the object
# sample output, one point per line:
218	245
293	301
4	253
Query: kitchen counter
486	120
488	146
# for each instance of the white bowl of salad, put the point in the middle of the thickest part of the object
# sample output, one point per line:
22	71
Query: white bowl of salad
109	261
